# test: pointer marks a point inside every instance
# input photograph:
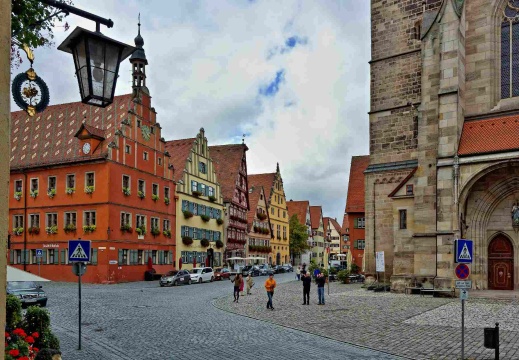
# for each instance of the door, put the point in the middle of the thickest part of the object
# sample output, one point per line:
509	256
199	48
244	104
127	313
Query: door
500	264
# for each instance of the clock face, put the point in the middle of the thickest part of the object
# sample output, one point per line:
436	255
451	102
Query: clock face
145	132
86	148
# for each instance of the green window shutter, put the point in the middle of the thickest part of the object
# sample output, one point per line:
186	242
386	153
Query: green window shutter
56	257
191	206
44	259
171	257
185	204
355	223
120	256
355	244
62	257
94	256
161	257
11	257
191	232
199	187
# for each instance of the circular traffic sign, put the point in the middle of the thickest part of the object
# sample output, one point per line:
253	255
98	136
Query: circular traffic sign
462	271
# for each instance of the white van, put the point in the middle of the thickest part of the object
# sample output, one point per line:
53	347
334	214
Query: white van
199	275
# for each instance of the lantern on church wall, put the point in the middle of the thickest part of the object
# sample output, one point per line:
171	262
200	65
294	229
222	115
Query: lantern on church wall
96	60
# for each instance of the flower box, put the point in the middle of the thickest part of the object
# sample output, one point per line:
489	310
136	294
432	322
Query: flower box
69	228
34	230
155	231
89	189
212	198
204	242
18	195
18	231
51	193
262	216
196	193
167	233
166	201
89	228
219	221
186	240
34	193
187	214
219	244
205	218
126	191
154	197
126	228
70	191
141	230
141	194
51	229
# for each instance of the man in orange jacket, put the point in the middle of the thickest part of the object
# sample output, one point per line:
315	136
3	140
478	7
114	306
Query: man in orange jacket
270	285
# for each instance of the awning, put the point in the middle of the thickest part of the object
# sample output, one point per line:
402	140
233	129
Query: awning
14	274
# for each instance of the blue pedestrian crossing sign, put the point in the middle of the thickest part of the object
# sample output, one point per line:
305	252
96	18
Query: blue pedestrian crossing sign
79	250
39	253
463	250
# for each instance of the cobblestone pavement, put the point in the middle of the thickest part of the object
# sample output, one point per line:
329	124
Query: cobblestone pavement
140	321
406	325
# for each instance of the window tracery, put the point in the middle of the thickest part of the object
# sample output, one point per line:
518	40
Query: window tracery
510	50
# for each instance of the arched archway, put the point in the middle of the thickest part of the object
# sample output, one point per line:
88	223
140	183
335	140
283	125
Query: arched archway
500	263
278	259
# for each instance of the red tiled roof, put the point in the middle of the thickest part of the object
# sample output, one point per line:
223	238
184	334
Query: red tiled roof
179	152
315	216
254	197
298	208
48	137
227	162
355	200
334	223
490	135
325	224
345	225
265	180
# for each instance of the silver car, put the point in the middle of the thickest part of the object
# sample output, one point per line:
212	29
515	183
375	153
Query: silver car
175	277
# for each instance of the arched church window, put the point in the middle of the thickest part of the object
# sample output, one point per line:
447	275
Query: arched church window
510	50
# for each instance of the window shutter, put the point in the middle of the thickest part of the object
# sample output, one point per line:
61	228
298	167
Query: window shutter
355	244
120	257
185	204
133	257
44	259
62	257
191	232
355	223
94	257
199	188
171	258
161	257
208	210
191	206
56	257
11	257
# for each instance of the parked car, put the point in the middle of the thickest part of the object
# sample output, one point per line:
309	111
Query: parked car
222	273
265	269
200	275
278	269
28	292
288	268
250	269
175	277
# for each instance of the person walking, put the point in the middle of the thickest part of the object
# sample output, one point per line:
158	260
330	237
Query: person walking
242	285
250	284
270	285
238	282
298	273
307	281
320	280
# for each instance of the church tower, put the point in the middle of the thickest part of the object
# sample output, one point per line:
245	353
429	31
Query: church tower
139	62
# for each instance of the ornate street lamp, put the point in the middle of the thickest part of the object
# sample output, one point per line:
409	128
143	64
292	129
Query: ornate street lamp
96	59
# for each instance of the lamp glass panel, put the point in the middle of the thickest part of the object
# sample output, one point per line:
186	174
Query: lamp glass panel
97	60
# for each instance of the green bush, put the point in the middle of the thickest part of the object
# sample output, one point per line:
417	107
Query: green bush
354	268
49	340
13	308
343	275
38	320
324	272
333	270
312	267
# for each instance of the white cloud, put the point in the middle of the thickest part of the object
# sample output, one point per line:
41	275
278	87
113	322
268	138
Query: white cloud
208	60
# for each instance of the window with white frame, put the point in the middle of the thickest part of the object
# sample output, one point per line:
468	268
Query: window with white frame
194	185
210	191
51	183
126	219
145	155
127	149
18	186
166	224
155	189
52	219
142	186
18	221
89	218
70	218
71	181
34	220
126	181
166	192
89	179
155	223
159	160
202	167
34	184
140	220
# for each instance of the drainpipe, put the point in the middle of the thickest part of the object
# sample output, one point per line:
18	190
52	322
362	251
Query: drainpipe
374	223
25	221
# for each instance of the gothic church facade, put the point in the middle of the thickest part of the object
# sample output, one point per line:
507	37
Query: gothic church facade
444	144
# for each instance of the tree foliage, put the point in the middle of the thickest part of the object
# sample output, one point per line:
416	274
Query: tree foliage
298	236
32	24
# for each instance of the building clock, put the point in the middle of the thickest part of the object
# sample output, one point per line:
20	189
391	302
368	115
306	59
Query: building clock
86	148
145	132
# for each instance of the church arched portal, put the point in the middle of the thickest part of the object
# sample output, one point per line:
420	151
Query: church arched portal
500	264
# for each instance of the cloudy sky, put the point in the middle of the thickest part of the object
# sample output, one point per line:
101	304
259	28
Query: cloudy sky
293	76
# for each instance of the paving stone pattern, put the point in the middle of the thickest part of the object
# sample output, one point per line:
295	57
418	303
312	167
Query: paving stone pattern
139	321
407	325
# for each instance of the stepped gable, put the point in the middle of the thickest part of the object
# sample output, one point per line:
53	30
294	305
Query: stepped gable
227	163
265	180
298	208
179	152
49	137
355	200
315	216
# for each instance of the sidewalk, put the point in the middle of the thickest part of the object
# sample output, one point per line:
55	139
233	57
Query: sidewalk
406	325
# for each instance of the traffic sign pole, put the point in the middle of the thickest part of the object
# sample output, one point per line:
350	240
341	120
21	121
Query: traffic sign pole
463	329
79	283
